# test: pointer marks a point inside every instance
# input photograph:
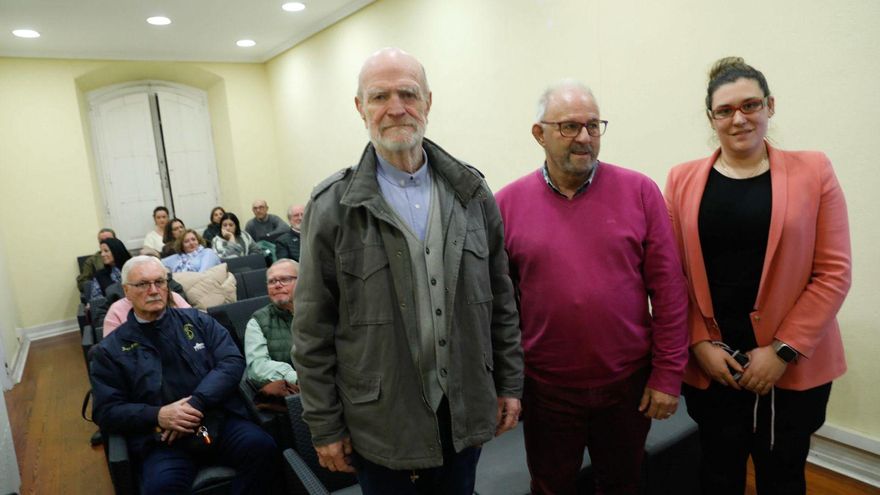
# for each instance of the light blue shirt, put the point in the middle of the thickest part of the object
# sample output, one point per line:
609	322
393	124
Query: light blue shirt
408	194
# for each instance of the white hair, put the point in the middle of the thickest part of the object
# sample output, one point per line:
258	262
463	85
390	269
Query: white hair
283	261
556	87
139	260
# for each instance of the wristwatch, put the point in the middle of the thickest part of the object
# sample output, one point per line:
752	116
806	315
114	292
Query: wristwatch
784	351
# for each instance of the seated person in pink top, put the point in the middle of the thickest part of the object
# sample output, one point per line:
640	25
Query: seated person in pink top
603	302
118	312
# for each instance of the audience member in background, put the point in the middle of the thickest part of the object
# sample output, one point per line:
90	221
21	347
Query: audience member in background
93	263
173	232
287	244
603	302
213	228
264	226
113	255
192	255
232	241
765	239
167	374
153	242
267	338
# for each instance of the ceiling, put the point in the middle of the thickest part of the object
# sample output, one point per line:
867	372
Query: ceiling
201	30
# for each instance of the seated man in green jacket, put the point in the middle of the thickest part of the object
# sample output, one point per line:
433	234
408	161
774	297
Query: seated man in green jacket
93	263
267	338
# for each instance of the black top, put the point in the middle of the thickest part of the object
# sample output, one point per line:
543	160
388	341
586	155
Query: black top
734	224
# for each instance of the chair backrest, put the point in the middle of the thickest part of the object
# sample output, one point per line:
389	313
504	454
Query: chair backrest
302	444
81	260
245	263
255	282
97	311
240	288
234	316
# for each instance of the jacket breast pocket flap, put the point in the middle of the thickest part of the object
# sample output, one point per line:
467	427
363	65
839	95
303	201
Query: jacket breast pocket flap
358	388
362	263
476	243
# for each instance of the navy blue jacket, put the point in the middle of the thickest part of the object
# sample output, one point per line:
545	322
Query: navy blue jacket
126	373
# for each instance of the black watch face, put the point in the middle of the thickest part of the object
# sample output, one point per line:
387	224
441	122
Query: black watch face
787	354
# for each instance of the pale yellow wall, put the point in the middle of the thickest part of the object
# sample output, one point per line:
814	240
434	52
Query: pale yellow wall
8	313
50	205
488	61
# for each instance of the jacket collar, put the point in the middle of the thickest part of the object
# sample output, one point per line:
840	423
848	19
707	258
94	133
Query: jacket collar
280	313
363	190
131	330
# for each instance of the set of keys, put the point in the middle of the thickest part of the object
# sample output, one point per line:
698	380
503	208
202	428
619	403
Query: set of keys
203	432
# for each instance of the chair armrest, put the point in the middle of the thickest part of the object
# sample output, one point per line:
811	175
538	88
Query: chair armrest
119	464
300	479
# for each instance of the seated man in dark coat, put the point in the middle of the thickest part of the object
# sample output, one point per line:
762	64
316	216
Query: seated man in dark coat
167	379
287	244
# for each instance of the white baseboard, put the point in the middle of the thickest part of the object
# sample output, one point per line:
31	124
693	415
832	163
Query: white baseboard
847	452
48	330
20	358
38	332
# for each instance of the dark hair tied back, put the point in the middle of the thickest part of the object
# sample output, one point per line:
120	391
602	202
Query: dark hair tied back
730	69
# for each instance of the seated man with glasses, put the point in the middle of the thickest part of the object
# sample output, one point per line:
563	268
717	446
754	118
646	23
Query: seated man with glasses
167	380
267	338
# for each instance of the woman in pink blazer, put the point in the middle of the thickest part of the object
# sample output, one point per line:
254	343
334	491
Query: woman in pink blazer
764	239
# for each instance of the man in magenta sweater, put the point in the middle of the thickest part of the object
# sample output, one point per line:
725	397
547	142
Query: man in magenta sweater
590	246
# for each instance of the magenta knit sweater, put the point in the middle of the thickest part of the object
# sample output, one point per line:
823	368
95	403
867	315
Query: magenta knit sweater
586	269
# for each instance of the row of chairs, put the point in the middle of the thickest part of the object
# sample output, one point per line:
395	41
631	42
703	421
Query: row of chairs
669	465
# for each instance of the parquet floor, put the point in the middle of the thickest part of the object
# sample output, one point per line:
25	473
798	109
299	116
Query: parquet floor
52	440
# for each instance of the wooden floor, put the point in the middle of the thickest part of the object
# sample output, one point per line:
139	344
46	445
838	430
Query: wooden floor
52	440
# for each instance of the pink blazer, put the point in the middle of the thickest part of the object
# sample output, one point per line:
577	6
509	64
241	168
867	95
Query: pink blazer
807	267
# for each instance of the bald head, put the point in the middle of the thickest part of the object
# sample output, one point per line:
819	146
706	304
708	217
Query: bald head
260	209
391	58
562	91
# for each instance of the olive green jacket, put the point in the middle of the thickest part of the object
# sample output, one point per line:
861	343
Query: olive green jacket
356	309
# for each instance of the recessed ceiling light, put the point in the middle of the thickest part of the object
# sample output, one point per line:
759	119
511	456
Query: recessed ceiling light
159	20
26	33
245	43
293	6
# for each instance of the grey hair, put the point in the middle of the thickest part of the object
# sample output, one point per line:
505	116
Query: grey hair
139	260
291	207
280	262
554	88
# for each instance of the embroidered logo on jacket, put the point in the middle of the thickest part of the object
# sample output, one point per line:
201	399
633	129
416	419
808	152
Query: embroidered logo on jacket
188	330
129	348
199	346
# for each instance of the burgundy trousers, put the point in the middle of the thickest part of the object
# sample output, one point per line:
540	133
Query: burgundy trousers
559	422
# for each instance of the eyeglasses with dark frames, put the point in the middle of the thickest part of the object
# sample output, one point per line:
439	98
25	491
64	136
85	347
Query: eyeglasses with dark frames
570	129
749	106
284	281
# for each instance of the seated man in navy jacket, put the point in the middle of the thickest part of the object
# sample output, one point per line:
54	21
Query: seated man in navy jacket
167	380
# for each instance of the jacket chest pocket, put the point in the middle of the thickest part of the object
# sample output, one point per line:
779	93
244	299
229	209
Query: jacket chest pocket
475	267
366	285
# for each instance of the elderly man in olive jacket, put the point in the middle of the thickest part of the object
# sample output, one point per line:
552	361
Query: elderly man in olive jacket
407	338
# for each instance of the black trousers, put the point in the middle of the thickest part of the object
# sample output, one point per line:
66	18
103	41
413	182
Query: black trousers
727	436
